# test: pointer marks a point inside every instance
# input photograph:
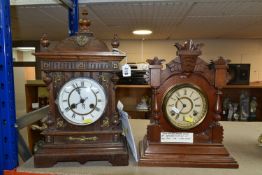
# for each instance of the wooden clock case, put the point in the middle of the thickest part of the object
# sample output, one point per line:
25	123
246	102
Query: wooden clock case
207	149
81	55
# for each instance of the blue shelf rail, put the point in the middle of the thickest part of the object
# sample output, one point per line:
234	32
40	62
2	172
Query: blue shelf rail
73	15
8	131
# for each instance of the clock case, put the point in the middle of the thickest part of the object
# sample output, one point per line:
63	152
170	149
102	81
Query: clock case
207	149
81	55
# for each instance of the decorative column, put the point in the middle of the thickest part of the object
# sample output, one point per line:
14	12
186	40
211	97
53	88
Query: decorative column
220	81
155	66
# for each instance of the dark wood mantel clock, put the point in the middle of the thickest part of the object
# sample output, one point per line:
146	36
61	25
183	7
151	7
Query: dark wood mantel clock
184	129
83	124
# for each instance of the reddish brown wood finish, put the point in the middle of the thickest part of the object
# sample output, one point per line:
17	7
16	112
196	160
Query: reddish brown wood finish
207	149
81	56
185	155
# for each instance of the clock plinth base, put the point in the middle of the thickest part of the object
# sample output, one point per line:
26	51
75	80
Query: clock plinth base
185	155
49	155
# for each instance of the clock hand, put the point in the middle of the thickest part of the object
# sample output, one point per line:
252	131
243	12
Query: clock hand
78	91
74	105
184	105
82	101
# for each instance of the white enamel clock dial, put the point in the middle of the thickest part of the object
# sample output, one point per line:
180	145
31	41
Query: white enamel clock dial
185	106
82	101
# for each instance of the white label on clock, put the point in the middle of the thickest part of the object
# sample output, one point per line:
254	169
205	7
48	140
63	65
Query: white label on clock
177	137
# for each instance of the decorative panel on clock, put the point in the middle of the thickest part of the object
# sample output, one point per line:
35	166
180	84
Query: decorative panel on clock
83	123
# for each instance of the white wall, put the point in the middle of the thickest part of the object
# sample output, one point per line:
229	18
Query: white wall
237	50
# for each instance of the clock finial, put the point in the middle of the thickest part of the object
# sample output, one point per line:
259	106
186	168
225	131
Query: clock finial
115	42
84	22
44	41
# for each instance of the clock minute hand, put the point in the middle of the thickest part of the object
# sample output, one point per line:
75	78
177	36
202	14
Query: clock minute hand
183	105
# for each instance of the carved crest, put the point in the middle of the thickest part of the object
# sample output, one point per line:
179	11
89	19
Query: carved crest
188	54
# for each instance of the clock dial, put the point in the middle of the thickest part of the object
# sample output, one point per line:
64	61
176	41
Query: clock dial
82	101
185	106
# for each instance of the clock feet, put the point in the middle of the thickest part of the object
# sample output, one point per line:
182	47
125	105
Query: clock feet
119	160
43	163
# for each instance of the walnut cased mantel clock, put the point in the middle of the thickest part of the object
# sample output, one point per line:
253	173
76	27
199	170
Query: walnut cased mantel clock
83	124
186	104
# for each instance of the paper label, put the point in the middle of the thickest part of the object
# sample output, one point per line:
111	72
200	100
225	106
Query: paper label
174	109
126	70
88	121
189	119
176	137
35	105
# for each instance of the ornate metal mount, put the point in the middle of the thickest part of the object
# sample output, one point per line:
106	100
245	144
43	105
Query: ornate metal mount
82	139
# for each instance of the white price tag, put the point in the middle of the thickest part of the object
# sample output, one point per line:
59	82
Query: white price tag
126	70
177	137
35	105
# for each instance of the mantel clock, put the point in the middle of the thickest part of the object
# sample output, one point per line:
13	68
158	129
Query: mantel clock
186	105
83	124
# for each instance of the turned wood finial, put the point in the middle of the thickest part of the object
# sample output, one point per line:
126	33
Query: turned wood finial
84	23
44	41
115	42
155	61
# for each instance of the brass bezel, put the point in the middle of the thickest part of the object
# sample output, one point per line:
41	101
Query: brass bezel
174	88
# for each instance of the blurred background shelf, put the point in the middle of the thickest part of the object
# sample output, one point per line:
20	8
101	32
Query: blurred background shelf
131	96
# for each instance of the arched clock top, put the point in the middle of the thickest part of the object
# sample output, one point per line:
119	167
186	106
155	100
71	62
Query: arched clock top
188	62
186	100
